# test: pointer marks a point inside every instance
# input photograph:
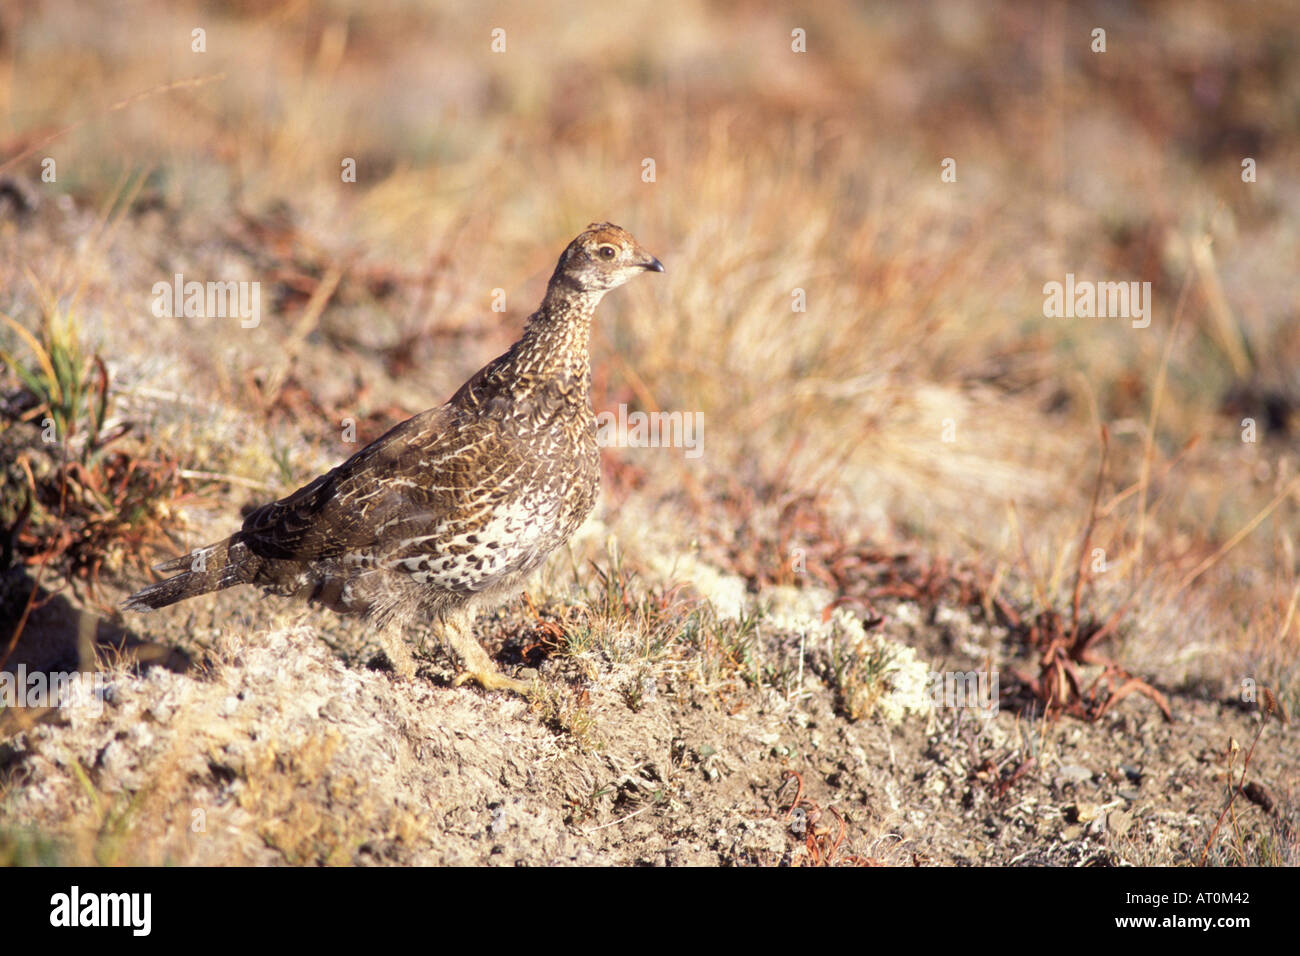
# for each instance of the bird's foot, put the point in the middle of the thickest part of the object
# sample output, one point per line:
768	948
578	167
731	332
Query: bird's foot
492	679
478	667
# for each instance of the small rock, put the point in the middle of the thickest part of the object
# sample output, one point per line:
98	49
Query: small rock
1119	822
1073	773
1084	812
1071	833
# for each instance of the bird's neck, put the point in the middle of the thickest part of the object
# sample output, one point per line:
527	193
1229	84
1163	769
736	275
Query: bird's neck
554	343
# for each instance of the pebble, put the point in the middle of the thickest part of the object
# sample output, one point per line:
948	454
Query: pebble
1073	773
1086	812
1118	822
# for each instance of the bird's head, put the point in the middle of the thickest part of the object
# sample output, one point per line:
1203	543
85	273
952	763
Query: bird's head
603	257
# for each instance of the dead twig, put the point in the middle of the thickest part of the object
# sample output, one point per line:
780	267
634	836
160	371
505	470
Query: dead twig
1270	705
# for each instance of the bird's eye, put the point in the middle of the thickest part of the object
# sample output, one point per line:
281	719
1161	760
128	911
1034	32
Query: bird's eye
606	252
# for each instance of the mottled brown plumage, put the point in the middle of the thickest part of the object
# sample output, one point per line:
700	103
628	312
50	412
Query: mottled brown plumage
454	506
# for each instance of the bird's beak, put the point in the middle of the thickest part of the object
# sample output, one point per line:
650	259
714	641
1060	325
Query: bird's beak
654	265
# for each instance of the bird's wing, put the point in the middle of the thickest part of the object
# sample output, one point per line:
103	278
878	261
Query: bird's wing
407	474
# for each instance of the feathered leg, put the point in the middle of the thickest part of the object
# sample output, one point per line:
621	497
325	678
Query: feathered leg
458	632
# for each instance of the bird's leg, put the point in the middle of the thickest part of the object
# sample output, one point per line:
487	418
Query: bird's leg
459	635
398	654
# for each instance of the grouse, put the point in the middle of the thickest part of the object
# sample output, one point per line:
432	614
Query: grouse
455	506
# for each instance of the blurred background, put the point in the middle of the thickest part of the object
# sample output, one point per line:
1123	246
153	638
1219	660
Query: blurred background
769	155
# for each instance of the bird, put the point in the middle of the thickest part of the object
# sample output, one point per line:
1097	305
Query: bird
450	510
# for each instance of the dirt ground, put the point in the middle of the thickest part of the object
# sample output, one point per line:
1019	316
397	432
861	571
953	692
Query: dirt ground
294	743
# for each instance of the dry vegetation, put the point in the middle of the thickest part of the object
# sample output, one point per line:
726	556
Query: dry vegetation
920	469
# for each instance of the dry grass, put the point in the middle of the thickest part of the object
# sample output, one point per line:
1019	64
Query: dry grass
921	398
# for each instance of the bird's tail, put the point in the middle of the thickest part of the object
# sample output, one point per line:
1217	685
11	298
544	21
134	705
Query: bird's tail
211	568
